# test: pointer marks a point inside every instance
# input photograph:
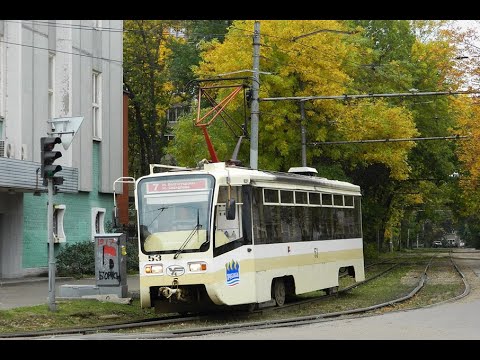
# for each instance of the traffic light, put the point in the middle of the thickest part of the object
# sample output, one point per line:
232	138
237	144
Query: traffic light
48	169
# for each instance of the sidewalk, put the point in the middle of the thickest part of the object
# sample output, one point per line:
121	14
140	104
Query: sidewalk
34	290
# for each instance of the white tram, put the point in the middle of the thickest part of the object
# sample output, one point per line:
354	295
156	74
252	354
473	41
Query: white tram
224	235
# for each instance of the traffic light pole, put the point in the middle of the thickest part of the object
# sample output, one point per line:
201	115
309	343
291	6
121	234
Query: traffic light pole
49	169
51	249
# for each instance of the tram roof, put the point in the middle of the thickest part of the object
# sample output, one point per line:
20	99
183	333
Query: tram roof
265	177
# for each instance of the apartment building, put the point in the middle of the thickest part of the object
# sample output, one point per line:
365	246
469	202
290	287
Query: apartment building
52	69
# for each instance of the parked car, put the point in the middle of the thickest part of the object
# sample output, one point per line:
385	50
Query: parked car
437	243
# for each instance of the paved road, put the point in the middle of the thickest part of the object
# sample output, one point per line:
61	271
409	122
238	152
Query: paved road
458	320
34	291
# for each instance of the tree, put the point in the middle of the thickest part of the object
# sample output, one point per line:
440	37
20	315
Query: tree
320	64
158	56
326	57
419	56
145	53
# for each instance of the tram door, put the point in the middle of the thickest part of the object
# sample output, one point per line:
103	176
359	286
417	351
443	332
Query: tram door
234	247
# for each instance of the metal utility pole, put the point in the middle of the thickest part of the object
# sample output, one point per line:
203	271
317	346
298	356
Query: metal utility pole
254	105
51	253
304	139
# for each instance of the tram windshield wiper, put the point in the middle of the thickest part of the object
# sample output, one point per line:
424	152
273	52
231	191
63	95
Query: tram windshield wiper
189	237
160	210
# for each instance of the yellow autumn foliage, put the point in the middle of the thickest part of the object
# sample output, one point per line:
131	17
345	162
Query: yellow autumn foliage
305	58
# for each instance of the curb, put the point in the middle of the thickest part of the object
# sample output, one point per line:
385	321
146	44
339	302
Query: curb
14	282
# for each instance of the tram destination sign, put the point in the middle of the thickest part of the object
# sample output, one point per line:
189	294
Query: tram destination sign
176	185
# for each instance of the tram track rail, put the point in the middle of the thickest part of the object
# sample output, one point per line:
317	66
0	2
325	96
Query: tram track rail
293	321
329	296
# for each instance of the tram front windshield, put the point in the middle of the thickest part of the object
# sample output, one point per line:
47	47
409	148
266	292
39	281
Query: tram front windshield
174	213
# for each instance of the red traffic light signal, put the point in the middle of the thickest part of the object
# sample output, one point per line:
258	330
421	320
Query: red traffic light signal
48	156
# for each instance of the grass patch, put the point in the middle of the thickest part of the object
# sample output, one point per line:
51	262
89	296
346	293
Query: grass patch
70	314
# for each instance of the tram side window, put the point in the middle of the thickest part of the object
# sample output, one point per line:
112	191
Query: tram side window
327	199
228	230
325	223
350	226
301	197
314	198
303	215
258	217
272	222
338	200
271	196
338	223
318	216
290	215
357	216
316	226
286	216
235	193
286	197
348	201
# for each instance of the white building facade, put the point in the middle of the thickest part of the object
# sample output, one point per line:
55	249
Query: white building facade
55	69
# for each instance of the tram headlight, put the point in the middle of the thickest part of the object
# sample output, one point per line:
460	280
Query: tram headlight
197	267
153	269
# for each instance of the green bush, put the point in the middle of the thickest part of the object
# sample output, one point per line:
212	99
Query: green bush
370	251
132	255
76	260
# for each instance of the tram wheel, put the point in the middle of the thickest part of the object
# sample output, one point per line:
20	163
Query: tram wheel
279	292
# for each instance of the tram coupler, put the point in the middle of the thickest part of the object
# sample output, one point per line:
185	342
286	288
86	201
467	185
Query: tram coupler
167	292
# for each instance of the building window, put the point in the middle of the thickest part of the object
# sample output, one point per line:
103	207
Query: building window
98	221
51	86
173	114
97	105
177	111
58	231
177	33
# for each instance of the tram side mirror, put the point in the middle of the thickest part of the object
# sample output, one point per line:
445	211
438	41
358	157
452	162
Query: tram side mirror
230	209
